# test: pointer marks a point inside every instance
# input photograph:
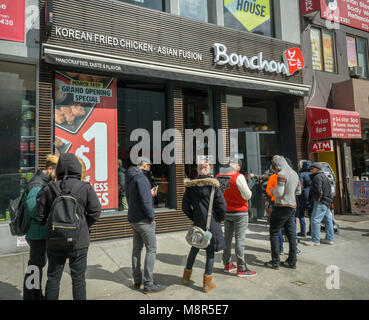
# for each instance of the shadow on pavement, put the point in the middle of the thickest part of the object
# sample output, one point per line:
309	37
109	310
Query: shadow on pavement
354	229
9	292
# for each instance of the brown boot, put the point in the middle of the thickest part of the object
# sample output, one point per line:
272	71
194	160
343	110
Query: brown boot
186	276
209	284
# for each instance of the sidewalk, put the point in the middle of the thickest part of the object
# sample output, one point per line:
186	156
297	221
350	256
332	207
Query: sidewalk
109	270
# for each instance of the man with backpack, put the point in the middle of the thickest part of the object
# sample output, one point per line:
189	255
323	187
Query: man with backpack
36	234
68	207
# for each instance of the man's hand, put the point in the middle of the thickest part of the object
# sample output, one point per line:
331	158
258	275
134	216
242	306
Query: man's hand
154	191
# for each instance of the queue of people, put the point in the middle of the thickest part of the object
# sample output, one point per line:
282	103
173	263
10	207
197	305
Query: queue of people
63	208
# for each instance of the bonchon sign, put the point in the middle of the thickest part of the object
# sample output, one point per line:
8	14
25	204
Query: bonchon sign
292	60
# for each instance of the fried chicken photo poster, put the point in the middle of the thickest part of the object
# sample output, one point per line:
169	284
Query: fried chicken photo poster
86	125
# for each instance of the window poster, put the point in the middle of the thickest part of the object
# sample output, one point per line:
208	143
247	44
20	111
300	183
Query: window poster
316	49
250	15
12	20
328	51
86	125
351	52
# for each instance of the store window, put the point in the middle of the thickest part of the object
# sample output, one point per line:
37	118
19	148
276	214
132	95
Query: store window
257	123
194	9
360	152
94	119
18	132
197	114
248	15
139	105
152	4
357	53
322	49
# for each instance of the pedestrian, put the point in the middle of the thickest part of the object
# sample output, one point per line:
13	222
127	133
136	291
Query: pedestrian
320	197
142	219
285	192
303	199
123	205
36	234
68	174
195	204
236	194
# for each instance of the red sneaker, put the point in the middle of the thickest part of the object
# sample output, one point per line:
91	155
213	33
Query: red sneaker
230	267
245	273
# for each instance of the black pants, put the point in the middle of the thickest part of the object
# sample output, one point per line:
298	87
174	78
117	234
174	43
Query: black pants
33	277
209	260
77	265
282	217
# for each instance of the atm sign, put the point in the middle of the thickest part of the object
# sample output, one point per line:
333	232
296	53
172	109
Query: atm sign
322	146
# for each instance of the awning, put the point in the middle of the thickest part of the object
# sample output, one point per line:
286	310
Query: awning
327	123
82	59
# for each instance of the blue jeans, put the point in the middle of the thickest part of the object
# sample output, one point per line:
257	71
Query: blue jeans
143	234
209	260
321	212
236	224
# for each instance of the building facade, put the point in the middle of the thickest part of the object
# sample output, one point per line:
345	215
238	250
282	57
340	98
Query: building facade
109	67
334	40
19	65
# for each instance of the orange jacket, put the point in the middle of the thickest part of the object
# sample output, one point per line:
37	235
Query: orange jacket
272	184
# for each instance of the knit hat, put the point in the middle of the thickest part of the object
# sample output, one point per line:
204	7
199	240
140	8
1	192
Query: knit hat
317	165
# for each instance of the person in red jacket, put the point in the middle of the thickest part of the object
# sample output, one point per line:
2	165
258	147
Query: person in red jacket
236	194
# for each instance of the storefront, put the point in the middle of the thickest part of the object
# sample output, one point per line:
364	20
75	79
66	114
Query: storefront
127	68
331	132
19	57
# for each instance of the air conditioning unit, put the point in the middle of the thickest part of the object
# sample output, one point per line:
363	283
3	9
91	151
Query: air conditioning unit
356	72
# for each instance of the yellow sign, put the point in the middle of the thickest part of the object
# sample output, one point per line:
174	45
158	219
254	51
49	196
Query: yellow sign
249	13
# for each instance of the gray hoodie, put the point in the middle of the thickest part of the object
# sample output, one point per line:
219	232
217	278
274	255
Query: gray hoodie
288	184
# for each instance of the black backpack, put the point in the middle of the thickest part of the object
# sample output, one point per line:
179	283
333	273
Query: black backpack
64	222
19	221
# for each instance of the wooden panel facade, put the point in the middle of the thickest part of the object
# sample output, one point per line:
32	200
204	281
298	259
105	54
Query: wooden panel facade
129	22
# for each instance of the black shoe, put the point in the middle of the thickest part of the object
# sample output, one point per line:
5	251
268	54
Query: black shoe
154	288
301	234
138	286
288	265
272	265
309	233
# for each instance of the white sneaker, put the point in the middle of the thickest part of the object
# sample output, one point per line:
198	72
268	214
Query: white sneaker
325	241
310	243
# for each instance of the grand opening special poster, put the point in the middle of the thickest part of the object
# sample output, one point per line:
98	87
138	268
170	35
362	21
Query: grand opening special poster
86	125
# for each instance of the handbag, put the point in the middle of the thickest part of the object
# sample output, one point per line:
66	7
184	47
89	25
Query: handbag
196	236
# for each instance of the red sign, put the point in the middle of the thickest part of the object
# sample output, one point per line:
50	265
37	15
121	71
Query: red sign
327	123
294	59
86	125
322	146
353	13
309	6
12	20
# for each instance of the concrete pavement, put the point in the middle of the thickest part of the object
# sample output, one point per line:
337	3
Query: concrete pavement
109	277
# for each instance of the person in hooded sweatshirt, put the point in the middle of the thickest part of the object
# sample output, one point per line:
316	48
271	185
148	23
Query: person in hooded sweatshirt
195	205
304	203
288	186
68	173
141	217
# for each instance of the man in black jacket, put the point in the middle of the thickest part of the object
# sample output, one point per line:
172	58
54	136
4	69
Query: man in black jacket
141	216
320	197
68	173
